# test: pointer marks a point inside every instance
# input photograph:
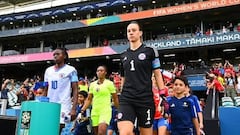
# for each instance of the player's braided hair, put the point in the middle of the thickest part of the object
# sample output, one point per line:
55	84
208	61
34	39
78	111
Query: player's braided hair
64	51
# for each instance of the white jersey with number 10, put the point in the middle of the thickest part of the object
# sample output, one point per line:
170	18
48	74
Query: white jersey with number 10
59	85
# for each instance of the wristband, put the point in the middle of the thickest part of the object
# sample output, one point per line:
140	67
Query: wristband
82	111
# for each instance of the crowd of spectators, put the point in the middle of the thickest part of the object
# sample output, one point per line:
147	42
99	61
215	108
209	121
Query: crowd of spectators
17	91
223	77
229	27
226	77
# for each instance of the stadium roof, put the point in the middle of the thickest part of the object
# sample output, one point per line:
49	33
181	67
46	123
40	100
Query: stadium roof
5	3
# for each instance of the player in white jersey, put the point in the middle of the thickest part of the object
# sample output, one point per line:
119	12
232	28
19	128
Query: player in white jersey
62	81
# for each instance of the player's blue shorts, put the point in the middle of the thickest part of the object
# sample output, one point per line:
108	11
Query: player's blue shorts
113	123
159	123
169	127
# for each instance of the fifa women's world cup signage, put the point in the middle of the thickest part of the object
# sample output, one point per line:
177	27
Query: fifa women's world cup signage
194	7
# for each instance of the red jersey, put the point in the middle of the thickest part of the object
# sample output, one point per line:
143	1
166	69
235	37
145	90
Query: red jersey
218	85
157	102
117	81
230	71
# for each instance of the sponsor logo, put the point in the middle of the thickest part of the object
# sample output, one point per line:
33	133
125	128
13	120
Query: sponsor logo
61	75
97	89
120	115
185	104
172	105
142	56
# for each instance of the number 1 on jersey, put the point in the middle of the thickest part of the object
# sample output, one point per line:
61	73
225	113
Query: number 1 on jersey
148	115
132	65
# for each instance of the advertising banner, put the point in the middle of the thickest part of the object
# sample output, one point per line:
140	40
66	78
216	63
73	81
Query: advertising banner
195	41
197	82
87	52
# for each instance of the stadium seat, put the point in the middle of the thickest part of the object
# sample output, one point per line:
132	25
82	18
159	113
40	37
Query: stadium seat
10	52
237	101
236	98
227	101
225	104
3	106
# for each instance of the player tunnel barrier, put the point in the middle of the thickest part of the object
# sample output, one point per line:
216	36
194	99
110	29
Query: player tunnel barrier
229	120
39	118
210	114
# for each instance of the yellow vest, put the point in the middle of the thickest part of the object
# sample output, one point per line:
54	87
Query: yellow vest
83	87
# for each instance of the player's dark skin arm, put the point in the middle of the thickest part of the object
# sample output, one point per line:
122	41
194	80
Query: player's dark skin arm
75	97
87	102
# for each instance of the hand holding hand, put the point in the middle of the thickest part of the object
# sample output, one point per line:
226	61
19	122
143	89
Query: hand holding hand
73	115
